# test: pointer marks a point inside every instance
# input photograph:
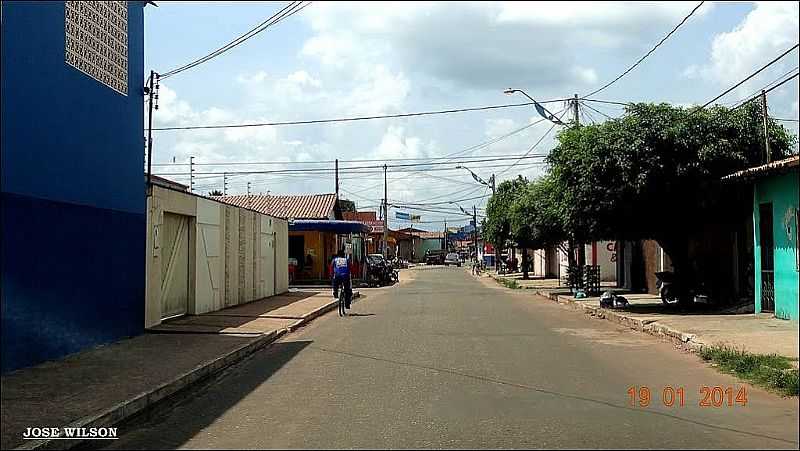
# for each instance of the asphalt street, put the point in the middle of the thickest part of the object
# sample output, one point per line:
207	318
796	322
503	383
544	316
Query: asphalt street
447	361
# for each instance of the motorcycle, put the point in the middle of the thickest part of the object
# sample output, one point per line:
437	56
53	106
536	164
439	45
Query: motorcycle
668	287
390	275
674	290
380	273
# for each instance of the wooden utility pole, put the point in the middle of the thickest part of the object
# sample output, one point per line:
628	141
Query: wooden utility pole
575	110
766	128
581	245
337	180
150	91
475	230
445	235
496	245
385	216
191	174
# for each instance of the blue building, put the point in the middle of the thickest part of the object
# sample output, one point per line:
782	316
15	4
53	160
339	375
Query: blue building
73	195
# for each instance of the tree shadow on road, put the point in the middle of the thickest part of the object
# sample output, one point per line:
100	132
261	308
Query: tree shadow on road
173	422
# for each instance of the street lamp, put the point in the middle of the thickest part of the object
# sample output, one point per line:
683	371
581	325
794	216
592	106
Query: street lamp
510	91
490	184
539	108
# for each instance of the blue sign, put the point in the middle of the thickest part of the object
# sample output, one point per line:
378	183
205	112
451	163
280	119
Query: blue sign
403	216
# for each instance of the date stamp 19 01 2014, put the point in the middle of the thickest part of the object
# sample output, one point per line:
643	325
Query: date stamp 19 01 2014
716	396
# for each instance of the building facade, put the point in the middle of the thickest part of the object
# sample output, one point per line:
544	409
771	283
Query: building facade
776	201
204	255
73	197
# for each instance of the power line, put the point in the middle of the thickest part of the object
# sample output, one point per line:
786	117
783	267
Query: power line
753	75
758	91
784	120
351	168
287	11
767	90
609	102
648	53
533	146
352	119
494	140
376	160
428	204
596	110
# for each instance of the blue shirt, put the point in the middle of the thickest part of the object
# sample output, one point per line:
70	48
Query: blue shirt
341	266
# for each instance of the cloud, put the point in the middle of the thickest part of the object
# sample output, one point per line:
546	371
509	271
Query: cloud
767	31
485	45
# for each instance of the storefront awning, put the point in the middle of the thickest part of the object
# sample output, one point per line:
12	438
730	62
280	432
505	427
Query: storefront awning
341	227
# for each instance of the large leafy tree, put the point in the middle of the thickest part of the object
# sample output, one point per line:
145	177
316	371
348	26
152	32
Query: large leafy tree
497	224
655	172
536	218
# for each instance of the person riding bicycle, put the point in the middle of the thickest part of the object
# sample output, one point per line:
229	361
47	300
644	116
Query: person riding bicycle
340	266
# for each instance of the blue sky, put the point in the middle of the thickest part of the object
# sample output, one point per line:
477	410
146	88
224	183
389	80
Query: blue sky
343	59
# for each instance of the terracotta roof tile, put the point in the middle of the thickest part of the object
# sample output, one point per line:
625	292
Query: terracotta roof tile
312	206
362	216
766	169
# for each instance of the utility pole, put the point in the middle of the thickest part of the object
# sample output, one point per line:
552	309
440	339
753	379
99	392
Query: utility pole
149	90
224	183
581	245
475	230
191	174
766	129
496	245
575	110
337	180
385	216
445	234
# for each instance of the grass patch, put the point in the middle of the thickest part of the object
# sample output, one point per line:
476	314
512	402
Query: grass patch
508	283
770	371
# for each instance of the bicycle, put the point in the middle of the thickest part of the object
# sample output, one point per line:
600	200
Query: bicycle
342	301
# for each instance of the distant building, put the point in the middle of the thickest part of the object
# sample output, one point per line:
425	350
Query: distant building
316	231
73	197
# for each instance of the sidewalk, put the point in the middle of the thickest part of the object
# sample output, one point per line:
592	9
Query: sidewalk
540	283
105	385
755	333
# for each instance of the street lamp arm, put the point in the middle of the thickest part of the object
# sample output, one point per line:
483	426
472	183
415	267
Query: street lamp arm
512	91
474	175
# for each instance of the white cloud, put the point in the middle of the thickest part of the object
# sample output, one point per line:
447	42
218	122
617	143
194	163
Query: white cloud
521	43
767	31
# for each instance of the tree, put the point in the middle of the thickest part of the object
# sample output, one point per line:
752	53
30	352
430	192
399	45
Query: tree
655	172
496	225
216	192
536	218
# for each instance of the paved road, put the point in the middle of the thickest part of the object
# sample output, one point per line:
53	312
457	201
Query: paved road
447	361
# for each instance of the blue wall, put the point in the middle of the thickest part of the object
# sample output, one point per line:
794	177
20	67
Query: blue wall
73	205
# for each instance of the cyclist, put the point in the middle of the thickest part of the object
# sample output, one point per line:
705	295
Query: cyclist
340	266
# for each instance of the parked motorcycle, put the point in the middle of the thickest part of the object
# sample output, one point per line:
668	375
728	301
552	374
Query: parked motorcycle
674	290
380	272
668	287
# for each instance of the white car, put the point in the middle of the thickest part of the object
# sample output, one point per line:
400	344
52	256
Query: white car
452	259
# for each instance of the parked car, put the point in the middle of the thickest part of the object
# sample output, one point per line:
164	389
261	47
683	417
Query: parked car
434	257
452	259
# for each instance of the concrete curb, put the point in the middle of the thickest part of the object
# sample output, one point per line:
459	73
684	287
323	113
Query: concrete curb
126	409
651	327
